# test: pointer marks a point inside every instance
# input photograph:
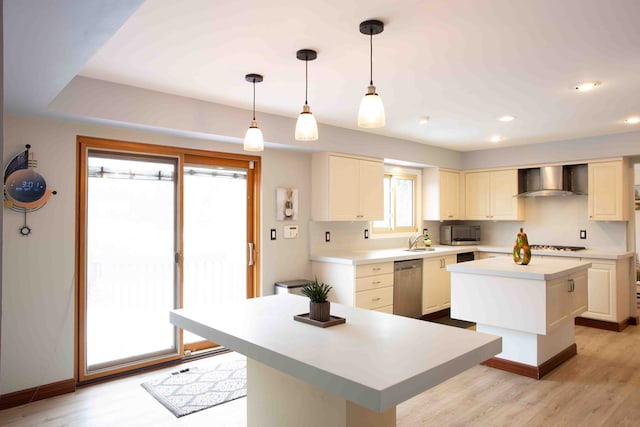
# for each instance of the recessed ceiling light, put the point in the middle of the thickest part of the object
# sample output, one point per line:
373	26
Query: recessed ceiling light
507	118
424	120
583	87
496	138
632	120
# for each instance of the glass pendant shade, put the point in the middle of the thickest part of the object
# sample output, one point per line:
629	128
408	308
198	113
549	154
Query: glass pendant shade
371	113
253	140
306	126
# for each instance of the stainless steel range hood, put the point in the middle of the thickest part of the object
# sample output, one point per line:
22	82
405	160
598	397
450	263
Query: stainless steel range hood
561	180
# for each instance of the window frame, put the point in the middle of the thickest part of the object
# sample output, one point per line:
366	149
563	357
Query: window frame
406	174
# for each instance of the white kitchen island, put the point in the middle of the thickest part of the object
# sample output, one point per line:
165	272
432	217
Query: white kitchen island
353	374
532	307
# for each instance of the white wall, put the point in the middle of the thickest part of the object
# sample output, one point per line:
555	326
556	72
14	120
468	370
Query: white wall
636	181
1	145
597	147
37	343
146	109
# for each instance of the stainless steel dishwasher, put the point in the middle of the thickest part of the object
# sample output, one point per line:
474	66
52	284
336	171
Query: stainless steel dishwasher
407	288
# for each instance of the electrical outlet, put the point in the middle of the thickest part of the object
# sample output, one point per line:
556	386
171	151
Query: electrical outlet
583	234
273	234
327	236
366	233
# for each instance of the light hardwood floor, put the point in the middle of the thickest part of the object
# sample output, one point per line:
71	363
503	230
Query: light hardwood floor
598	387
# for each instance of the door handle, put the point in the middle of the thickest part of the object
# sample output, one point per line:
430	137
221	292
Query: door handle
250	253
572	285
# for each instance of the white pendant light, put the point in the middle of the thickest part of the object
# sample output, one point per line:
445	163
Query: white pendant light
306	126
371	113
253	140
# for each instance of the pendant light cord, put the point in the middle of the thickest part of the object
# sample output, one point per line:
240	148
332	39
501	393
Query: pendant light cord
371	57
254	99
306	78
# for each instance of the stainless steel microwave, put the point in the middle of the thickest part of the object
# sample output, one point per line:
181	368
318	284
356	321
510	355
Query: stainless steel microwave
459	235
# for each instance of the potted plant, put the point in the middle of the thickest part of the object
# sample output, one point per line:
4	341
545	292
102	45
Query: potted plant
318	304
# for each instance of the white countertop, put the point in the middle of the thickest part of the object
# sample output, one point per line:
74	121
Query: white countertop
357	257
375	360
585	253
537	269
381	255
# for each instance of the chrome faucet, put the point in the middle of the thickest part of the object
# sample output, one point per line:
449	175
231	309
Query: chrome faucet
413	242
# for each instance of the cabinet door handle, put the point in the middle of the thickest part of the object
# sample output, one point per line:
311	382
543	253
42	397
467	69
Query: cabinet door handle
572	285
376	268
376	282
375	299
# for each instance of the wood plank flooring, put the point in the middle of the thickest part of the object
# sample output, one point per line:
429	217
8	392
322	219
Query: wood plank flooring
598	387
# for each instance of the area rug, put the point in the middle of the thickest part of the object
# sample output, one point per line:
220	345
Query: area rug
194	389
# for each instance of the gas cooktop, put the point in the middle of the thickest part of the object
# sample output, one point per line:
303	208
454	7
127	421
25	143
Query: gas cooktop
557	248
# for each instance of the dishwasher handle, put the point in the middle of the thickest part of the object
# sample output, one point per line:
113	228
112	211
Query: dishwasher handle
407	267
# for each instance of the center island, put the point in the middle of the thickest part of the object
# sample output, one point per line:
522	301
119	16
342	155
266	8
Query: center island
352	374
532	307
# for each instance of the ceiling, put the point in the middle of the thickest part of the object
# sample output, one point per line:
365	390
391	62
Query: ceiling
462	63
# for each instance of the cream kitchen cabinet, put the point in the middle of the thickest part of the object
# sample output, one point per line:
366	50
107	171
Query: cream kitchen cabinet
607	199
367	286
436	284
566	298
489	195
442	194
608	292
346	188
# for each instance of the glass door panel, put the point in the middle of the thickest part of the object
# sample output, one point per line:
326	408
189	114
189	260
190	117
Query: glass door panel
131	276
214	239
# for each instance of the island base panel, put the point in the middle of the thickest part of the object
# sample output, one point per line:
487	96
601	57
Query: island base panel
528	348
532	355
275	399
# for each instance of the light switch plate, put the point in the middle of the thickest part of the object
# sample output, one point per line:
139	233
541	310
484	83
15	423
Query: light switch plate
290	232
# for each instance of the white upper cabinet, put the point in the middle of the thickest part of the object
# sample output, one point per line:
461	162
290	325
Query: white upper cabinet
607	198
441	194
490	195
347	188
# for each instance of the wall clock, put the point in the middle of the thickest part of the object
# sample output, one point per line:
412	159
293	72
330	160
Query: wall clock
25	190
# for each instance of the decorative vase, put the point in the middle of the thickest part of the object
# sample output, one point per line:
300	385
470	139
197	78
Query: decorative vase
521	250
319	311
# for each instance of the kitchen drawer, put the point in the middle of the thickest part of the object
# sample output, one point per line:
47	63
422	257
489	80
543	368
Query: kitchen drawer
374	282
365	270
375	298
386	309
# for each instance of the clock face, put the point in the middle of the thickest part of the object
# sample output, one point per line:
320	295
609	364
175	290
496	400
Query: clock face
25	186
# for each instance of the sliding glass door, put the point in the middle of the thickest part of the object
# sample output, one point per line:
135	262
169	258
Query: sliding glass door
159	228
214	238
131	278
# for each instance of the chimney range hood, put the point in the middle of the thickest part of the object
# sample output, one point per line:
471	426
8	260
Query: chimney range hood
560	180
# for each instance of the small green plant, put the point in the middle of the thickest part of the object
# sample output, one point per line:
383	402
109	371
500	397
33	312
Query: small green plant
317	292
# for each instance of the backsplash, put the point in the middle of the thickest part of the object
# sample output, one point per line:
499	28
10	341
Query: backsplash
558	221
549	221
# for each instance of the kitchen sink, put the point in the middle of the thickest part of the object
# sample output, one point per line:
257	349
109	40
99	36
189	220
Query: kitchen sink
420	249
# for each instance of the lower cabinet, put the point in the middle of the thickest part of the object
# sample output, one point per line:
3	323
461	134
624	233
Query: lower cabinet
608	291
436	284
566	298
367	286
